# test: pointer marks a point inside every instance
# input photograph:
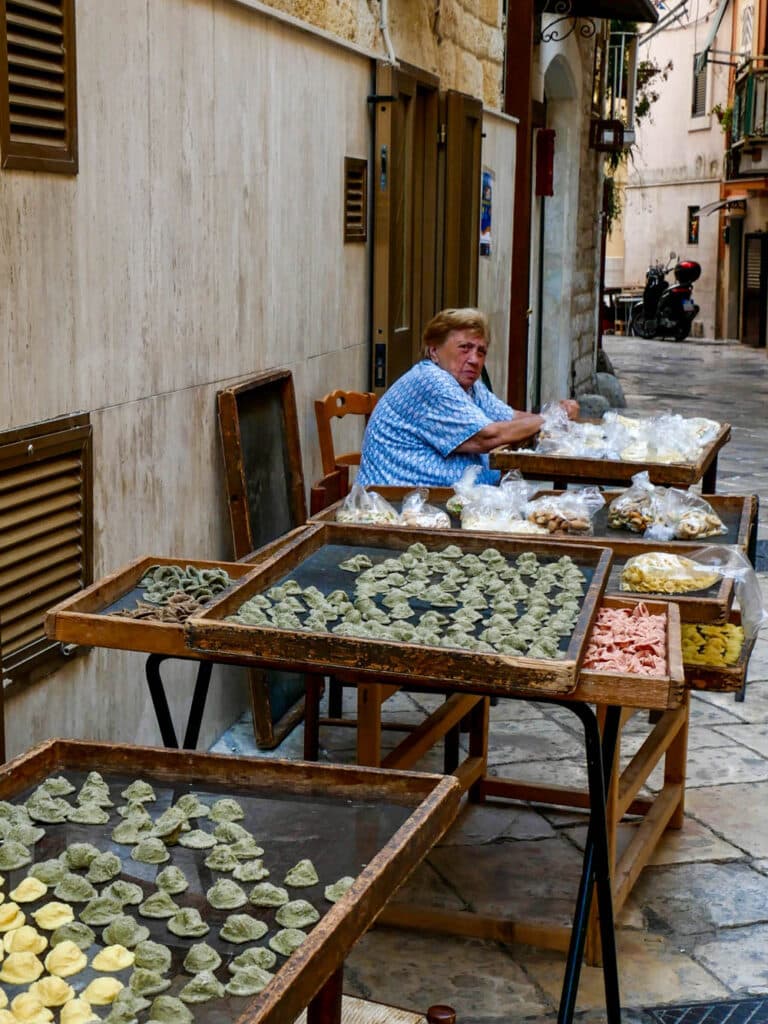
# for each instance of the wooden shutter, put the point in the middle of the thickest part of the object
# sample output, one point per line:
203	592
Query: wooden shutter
699	102
755	289
463	120
45	533
355	199
38	88
405	217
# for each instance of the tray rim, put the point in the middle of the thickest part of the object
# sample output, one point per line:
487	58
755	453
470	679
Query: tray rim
77	620
207	634
725	678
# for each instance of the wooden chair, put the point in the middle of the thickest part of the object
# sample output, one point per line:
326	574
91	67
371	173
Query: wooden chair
336	405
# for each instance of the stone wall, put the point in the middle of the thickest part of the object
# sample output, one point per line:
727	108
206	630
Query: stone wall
462	41
586	280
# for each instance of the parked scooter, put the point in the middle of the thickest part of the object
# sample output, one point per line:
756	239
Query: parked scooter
667	310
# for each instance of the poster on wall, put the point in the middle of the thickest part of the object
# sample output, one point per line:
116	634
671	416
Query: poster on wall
486	208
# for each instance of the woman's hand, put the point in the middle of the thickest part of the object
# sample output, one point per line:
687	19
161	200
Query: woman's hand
571	407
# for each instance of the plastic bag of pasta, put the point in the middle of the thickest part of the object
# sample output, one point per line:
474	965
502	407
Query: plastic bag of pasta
661	572
634	508
569	512
500	509
683	515
361	506
416	512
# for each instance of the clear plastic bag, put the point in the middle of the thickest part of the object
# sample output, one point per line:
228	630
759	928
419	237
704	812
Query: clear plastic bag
361	506
683	515
416	512
500	509
462	490
634	509
511	493
570	512
731	563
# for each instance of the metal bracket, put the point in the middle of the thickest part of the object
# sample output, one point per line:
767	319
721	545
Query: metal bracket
380	99
556	30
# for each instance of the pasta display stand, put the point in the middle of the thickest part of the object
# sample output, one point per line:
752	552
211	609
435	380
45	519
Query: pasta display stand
295	811
567	468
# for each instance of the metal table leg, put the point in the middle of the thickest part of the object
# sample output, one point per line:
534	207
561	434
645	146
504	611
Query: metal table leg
160	701
595	868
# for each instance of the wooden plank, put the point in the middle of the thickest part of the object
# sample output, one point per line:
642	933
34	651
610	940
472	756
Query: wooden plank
210	634
643	843
636	773
432	729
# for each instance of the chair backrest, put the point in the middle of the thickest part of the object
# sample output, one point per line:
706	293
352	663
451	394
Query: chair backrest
331	488
336	405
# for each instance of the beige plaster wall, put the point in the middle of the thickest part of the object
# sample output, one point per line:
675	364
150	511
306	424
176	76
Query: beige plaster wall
459	40
201	242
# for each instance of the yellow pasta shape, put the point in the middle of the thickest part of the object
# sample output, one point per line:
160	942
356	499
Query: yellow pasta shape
102	991
52	991
24	940
29	890
11	917
21	969
65	959
53	915
28	1009
113	958
78	1011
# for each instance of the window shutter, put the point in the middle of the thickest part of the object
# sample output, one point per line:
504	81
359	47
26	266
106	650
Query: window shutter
699	103
38	101
45	533
355	199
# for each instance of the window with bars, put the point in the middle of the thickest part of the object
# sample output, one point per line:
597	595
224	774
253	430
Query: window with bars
355	199
45	536
699	99
38	87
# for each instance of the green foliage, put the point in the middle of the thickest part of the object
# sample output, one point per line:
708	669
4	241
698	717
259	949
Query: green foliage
724	116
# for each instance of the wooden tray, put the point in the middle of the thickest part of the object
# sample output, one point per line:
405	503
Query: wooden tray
711	605
314	558
640	690
724	679
83	618
390	820
738	513
569	467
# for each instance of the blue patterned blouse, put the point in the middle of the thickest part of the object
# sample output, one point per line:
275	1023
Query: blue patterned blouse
419	422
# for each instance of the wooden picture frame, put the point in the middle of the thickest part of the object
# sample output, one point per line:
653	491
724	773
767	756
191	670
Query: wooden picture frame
259	430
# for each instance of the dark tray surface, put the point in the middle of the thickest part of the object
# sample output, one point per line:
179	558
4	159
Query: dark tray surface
338	834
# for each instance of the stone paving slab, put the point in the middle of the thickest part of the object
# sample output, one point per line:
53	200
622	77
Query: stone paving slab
688	899
412	969
736	813
651	971
531	740
737	957
492	821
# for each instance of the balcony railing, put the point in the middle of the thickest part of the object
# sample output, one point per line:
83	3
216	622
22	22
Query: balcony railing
750	104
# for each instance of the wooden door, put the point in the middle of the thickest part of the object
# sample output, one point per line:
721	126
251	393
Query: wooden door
405	217
755	289
461	130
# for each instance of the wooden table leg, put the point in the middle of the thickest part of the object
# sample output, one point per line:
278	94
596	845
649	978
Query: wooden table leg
709	480
676	764
325	1008
369	699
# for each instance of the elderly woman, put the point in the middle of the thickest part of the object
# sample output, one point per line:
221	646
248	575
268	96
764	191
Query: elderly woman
439	418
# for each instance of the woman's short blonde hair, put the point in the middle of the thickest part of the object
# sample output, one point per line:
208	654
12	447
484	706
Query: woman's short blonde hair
447	320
